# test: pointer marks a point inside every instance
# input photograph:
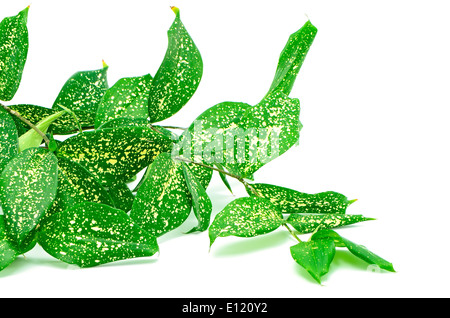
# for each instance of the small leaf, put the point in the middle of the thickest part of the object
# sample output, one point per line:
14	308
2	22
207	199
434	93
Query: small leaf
13	53
292	57
76	185
245	217
83	91
7	251
224	177
115	153
92	234
308	223
64	125
314	256
292	201
27	189
128	97
9	142
162	202
359	251
31	138
200	200
178	76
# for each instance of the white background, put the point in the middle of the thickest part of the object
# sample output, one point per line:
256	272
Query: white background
374	91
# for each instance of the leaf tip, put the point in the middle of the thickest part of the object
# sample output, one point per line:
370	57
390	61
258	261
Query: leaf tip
104	64
352	201
175	10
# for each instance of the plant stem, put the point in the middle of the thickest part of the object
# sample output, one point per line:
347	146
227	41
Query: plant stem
174	127
26	121
292	232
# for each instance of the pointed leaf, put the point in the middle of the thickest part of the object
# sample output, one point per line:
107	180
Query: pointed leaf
200	200
76	185
241	137
13	53
27	189
64	125
128	97
178	76
308	223
292	201
359	251
7	251
163	202
83	91
292	57
314	256
115	153
92	234
9	142
245	217
224	177
31	138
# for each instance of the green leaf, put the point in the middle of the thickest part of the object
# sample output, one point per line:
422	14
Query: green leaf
64	125
359	251
13	53
92	234
9	142
162	202
178	76
128	97
223	177
292	57
115	153
292	201
200	200
28	187
83	91
243	138
76	185
7	251
314	256
121	195
31	138
245	217
308	223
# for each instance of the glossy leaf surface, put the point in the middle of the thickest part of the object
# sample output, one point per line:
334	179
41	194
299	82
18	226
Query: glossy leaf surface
92	234
13	53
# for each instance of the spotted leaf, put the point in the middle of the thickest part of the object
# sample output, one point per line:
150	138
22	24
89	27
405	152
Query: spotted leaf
91	234
76	185
28	187
64	125
121	195
115	153
201	202
241	137
308	222
9	142
178	75
7	251
292	57
83	91
314	256
128	97
162	202
359	251
292	201
13	53
245	217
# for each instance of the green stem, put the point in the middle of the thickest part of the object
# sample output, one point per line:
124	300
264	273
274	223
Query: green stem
174	127
26	121
292	232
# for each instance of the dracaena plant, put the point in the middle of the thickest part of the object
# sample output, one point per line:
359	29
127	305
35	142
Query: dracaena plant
67	171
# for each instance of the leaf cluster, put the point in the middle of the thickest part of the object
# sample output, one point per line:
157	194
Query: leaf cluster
73	195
